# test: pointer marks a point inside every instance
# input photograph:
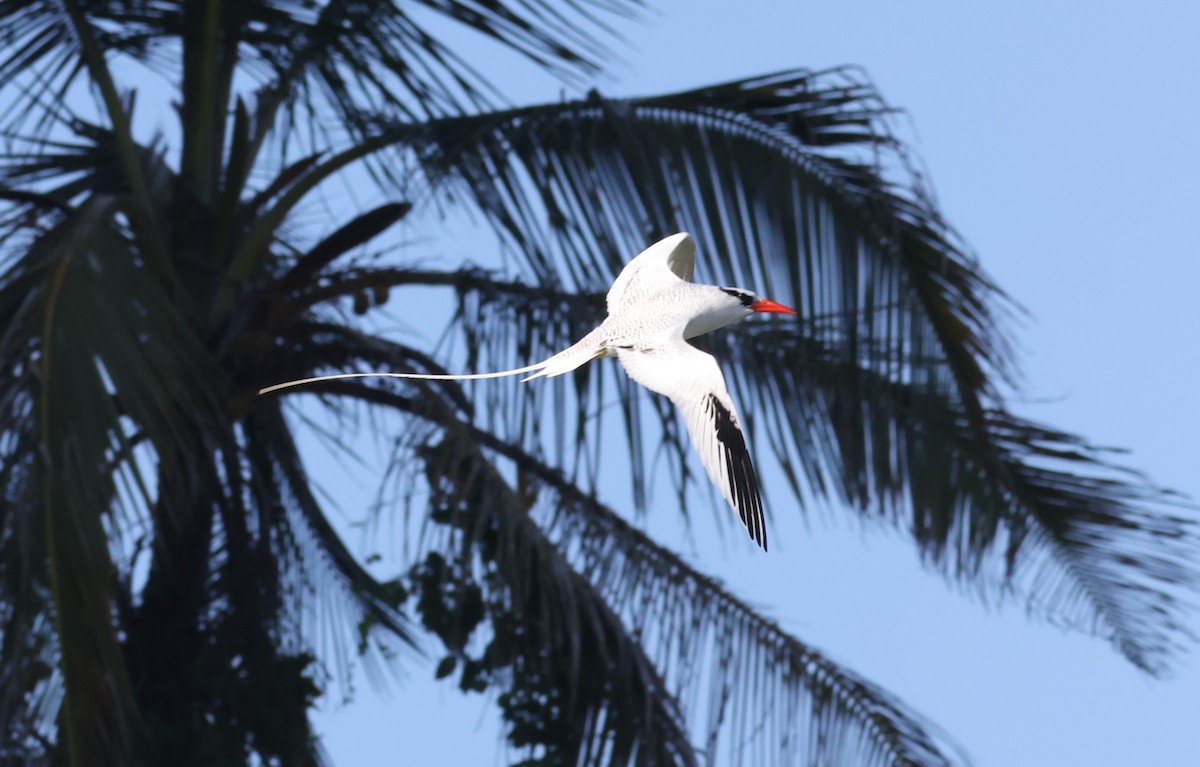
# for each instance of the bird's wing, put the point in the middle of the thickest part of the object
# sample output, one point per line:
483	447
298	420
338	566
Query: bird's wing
667	260
692	380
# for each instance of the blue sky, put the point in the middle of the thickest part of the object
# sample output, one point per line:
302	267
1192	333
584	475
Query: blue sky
1061	144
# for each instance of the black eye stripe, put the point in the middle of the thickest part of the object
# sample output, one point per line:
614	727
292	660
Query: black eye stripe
740	295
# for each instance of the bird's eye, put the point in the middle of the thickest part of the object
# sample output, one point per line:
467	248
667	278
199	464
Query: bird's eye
741	295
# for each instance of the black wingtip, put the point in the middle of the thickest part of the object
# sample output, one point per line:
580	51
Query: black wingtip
743	481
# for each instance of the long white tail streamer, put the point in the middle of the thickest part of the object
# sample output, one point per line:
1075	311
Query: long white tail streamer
420	376
580	353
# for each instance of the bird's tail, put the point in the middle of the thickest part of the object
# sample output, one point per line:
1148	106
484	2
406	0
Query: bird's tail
563	362
567	360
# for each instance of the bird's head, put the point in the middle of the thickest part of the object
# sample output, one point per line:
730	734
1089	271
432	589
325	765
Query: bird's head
727	306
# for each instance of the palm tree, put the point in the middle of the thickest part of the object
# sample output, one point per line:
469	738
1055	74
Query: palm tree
170	585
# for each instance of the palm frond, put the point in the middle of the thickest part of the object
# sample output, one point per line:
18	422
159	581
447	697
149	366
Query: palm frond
605	702
1105	549
763	695
361	58
298	517
356	57
1086	542
902	452
84	368
30	683
796	185
354	233
98	712
39	59
62	170
780	699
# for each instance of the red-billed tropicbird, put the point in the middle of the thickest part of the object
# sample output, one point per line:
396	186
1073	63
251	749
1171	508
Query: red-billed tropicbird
653	308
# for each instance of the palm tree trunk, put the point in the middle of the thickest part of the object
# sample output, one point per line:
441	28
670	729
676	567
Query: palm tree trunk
166	647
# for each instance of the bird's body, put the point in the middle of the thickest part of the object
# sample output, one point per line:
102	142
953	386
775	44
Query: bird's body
653	308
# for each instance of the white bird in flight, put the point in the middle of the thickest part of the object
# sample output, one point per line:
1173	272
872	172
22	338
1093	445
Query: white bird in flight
653	308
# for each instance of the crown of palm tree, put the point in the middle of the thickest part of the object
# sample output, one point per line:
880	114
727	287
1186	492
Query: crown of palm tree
164	557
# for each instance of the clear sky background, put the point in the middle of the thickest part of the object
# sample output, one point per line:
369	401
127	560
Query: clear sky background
1061	139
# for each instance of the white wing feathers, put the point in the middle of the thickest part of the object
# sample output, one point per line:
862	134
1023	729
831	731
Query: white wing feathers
692	380
667	260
